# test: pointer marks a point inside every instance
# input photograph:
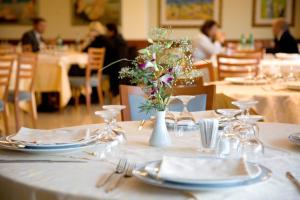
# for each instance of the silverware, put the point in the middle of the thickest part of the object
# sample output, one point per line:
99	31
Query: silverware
119	169
42	161
141	125
128	173
13	144
293	180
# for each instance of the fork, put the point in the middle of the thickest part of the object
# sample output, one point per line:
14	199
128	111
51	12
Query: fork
127	174
119	170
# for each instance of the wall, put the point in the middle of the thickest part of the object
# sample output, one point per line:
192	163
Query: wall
140	15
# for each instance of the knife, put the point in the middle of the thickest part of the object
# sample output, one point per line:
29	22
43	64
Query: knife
293	180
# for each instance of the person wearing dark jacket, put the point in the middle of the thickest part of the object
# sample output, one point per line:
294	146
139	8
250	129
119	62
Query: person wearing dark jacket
34	36
120	47
284	42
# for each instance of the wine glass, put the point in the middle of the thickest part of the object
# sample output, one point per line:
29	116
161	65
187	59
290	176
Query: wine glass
245	106
227	146
185	114
115	110
250	147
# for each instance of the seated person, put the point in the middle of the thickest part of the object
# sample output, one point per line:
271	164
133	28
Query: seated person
284	42
96	39
34	36
120	47
208	42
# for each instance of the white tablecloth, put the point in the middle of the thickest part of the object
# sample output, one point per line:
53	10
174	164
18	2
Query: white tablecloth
275	105
54	181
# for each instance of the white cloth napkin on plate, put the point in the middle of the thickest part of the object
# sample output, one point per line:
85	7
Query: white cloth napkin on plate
199	169
55	136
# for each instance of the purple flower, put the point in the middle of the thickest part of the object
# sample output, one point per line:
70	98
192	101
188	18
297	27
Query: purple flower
142	65
166	79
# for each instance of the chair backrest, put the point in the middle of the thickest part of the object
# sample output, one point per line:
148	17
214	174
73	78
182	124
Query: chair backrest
27	63
207	69
204	97
255	53
7	49
26	48
237	65
6	65
95	62
133	96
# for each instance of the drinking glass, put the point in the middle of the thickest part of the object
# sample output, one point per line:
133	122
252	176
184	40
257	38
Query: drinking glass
115	110
110	133
185	114
245	106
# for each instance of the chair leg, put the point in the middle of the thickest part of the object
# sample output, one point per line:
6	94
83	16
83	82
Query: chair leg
17	115
5	119
77	96
88	99
100	96
33	110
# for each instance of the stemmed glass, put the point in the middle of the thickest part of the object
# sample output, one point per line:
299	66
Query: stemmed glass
291	75
227	145
245	106
115	110
107	133
250	147
185	114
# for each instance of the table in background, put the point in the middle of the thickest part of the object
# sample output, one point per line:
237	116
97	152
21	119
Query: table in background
275	105
77	181
52	73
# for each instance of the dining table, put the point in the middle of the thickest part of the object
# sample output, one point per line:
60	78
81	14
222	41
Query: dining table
57	181
275	102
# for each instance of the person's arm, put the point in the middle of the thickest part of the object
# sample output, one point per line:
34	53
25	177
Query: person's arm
209	47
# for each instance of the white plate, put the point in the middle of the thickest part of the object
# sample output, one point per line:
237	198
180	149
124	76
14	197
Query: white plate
245	81
293	85
49	149
141	174
153	170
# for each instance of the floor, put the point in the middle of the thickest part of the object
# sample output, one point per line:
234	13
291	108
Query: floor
68	116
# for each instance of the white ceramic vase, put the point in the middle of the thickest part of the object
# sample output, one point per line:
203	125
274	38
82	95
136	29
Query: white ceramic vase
160	136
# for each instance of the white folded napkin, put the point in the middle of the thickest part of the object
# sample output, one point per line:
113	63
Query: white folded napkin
202	169
55	136
209	132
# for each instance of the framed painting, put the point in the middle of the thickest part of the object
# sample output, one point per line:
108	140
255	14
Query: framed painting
18	11
105	11
265	11
188	13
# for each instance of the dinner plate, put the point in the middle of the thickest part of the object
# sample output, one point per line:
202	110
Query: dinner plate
56	149
153	170
295	138
144	176
94	135
293	85
245	81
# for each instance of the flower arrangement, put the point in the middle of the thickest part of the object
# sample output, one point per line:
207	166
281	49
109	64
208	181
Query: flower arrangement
158	66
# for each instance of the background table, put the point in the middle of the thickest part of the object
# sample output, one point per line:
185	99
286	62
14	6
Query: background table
275	105
77	181
52	73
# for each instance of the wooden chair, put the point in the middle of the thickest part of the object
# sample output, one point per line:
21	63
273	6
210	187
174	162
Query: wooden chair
95	63
207	69
209	91
26	48
7	49
24	86
255	53
6	66
133	96
237	65
125	92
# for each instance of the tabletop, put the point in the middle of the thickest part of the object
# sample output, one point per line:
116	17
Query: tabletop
77	180
275	103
